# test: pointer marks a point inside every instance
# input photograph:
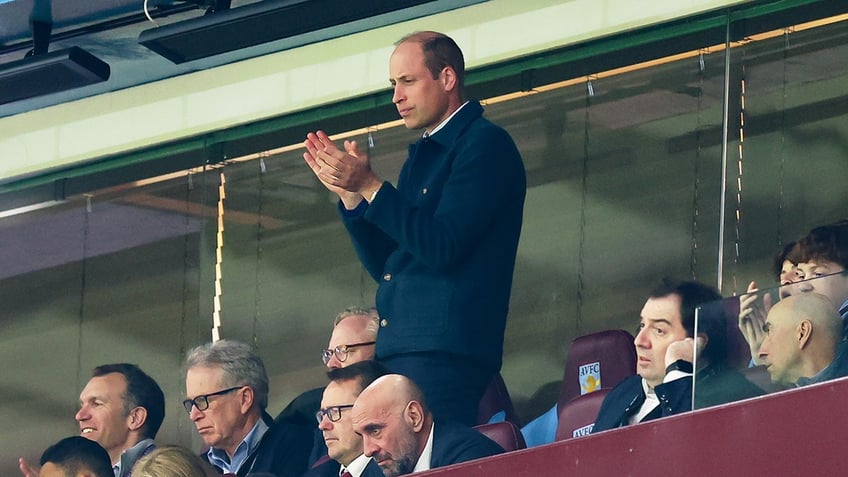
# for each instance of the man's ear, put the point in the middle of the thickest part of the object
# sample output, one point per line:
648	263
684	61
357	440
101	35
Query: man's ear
247	397
448	78
414	415
137	418
804	332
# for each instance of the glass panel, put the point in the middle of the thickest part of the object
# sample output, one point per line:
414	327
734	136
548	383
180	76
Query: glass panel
775	339
625	182
786	161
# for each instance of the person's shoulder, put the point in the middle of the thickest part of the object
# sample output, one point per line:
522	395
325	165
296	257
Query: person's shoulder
626	385
301	410
455	435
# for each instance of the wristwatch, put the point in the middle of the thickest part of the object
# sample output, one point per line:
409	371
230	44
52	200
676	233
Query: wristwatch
679	365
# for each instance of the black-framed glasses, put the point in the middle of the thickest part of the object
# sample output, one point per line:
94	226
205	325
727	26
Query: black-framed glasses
341	351
333	413
202	402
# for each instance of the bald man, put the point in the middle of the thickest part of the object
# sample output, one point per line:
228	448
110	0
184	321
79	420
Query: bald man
803	333
399	433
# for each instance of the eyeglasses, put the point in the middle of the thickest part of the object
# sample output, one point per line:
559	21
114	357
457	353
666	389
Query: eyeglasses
202	402
341	351
333	413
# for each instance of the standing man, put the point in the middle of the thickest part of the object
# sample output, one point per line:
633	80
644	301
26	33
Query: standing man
121	408
344	446
227	387
442	244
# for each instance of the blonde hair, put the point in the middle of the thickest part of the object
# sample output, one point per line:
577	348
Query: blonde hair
172	461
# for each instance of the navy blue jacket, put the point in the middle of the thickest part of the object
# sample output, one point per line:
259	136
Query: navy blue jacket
454	443
716	385
442	244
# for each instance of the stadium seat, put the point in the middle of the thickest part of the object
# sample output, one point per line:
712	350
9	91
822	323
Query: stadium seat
496	401
597	360
577	417
506	434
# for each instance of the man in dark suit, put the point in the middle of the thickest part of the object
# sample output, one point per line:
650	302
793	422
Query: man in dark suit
666	348
400	434
344	446
442	244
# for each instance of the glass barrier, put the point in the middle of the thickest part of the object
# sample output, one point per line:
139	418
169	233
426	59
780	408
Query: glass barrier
771	340
624	180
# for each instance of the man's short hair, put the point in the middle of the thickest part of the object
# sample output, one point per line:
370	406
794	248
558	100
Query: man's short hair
241	366
359	311
363	372
439	51
712	320
76	454
826	242
142	390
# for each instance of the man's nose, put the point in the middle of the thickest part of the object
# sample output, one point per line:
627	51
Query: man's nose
369	448
763	351
195	413
641	341
325	424
334	362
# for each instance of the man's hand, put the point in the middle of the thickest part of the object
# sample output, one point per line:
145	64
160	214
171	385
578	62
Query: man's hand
315	155
685	349
26	469
752	318
348	170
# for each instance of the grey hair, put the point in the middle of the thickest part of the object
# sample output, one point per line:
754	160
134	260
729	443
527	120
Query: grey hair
373	325
241	366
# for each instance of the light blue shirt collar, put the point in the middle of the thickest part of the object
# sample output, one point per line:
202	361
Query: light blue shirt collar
220	459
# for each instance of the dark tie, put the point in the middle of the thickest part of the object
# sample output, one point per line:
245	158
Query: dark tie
346	474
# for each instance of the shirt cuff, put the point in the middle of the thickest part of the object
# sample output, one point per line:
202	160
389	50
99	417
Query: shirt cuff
357	211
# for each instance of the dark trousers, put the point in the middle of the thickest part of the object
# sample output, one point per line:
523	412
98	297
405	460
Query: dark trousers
453	385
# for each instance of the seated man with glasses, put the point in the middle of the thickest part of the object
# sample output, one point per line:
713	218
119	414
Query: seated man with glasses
352	340
344	446
227	389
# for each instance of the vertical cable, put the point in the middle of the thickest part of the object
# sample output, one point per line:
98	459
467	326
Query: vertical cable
219	249
693	258
590	92
363	274
189	187
724	125
257	295
83	273
186	260
739	172
782	163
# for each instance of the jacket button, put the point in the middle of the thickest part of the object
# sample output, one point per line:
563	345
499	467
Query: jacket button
424	191
387	277
384	322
